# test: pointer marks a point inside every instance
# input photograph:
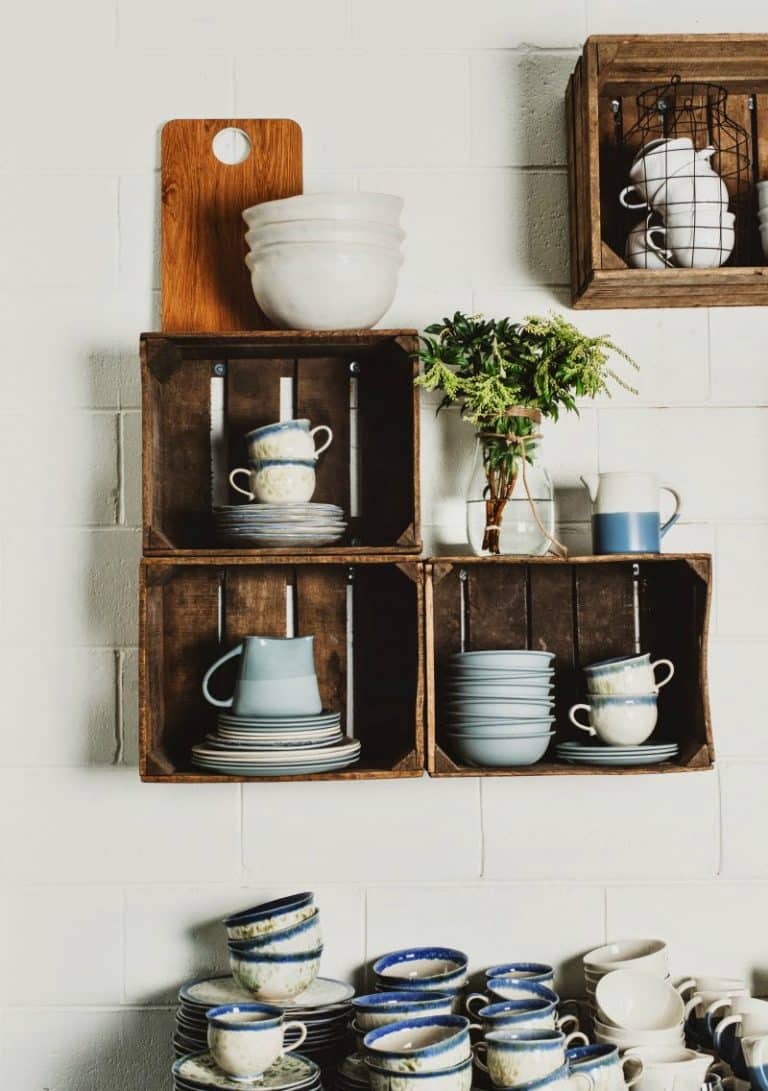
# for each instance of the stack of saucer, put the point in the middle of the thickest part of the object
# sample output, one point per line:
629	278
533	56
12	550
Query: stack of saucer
644	754
292	1072
279	525
276	745
352	1074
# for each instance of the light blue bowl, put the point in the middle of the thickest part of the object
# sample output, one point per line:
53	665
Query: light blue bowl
499	752
490	708
520	659
505	691
471	725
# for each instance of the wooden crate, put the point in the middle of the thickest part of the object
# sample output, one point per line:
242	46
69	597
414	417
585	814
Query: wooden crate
203	392
600	106
584	609
368	652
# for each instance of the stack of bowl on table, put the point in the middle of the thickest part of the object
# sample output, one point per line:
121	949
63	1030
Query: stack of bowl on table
622	713
497	706
685	218
326	260
247	1027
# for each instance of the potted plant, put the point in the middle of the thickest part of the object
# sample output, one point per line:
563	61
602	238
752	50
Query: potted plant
505	376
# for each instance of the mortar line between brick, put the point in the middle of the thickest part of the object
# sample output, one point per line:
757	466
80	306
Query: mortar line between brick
119	754
120	469
481	824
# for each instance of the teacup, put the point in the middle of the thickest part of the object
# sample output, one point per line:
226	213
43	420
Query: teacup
561	1079
632	1000
537	973
516	988
275	976
379	1009
458	1078
271	916
638	253
662	158
422	967
748	1017
277	481
292	439
302	936
609	1072
632	675
520	1015
694	183
672	1067
618	721
694	245
245	1039
420	1045
755	1051
512	1059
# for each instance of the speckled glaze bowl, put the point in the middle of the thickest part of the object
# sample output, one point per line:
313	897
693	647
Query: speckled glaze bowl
303	936
275	976
458	1078
420	1045
435	968
381	1009
272	916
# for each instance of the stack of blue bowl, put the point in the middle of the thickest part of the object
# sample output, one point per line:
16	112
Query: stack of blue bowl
497	706
423	969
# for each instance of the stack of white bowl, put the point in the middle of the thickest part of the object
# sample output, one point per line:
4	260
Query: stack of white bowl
639	1009
325	261
762	215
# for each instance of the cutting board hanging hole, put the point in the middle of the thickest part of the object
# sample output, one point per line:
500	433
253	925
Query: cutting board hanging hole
231	146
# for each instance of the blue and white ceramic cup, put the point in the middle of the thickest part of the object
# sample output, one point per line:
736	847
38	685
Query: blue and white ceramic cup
625	517
603	1064
539	973
439	968
381	1009
245	1039
618	721
287	439
420	1045
755	1050
458	1078
519	1015
272	916
277	480
627	675
513	1058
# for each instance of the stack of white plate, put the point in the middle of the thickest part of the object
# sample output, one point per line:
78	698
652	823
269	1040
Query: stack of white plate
279	525
292	1072
599	754
276	746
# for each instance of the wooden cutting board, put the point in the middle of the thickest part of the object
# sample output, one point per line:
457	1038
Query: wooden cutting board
205	284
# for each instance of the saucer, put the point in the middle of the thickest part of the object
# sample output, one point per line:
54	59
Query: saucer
211	992
291	1072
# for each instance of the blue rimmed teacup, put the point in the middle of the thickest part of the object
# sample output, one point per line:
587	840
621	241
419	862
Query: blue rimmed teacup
618	720
606	1068
436	968
245	1039
298	937
419	1045
503	989
538	973
271	976
380	1009
457	1078
277	481
518	1015
270	916
513	1058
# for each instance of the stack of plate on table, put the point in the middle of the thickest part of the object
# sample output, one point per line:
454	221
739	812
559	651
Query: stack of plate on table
497	706
279	525
352	1074
600	754
273	746
292	1072
324	1008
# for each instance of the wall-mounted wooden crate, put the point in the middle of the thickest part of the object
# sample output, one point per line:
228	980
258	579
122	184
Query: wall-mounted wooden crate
601	106
584	609
203	392
367	620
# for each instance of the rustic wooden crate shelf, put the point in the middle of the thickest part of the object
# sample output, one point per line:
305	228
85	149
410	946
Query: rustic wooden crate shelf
369	651
583	609
600	106
202	392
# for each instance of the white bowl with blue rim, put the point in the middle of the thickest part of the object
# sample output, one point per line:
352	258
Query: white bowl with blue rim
380	1009
458	1078
562	1079
603	1063
277	977
423	968
536	973
270	916
423	1044
498	751
515	988
512	1059
534	1014
520	659
304	936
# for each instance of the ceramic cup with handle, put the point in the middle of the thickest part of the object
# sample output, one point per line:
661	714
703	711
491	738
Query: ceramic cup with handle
532	973
668	1066
632	1000
245	1039
520	1015
276	677
512	1058
608	1070
618	721
277	481
639	254
293	439
422	1044
696	241
625	514
748	1017
661	158
693	181
755	1050
636	675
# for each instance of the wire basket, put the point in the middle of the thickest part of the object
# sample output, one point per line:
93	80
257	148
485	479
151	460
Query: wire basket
675	206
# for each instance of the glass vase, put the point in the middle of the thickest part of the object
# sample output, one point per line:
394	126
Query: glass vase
503	516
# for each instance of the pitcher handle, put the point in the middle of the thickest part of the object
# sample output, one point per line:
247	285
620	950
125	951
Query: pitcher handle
219	662
328	442
233	475
577	723
676	513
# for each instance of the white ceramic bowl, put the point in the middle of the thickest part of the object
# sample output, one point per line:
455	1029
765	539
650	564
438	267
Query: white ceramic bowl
380	1009
304	936
275	976
378	207
420	1045
324	286
626	1039
647	955
270	916
638	1001
326	231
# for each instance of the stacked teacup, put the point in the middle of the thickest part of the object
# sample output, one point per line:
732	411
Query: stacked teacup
275	947
422	970
422	1053
622	707
635	1008
673	182
325	260
497	706
762	214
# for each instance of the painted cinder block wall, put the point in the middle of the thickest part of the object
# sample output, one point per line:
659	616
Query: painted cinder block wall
111	889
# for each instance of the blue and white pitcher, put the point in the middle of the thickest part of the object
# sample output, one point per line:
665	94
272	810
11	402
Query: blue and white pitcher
625	516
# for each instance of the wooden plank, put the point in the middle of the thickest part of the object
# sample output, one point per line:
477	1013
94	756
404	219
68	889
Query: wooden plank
321	612
732	163
205	284
498	607
605	617
761	129
254	603
322	395
552	629
592	152
581	181
573	198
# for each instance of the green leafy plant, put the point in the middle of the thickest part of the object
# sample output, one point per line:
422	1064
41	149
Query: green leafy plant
493	368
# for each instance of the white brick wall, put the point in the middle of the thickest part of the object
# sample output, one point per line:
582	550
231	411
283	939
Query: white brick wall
111	889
